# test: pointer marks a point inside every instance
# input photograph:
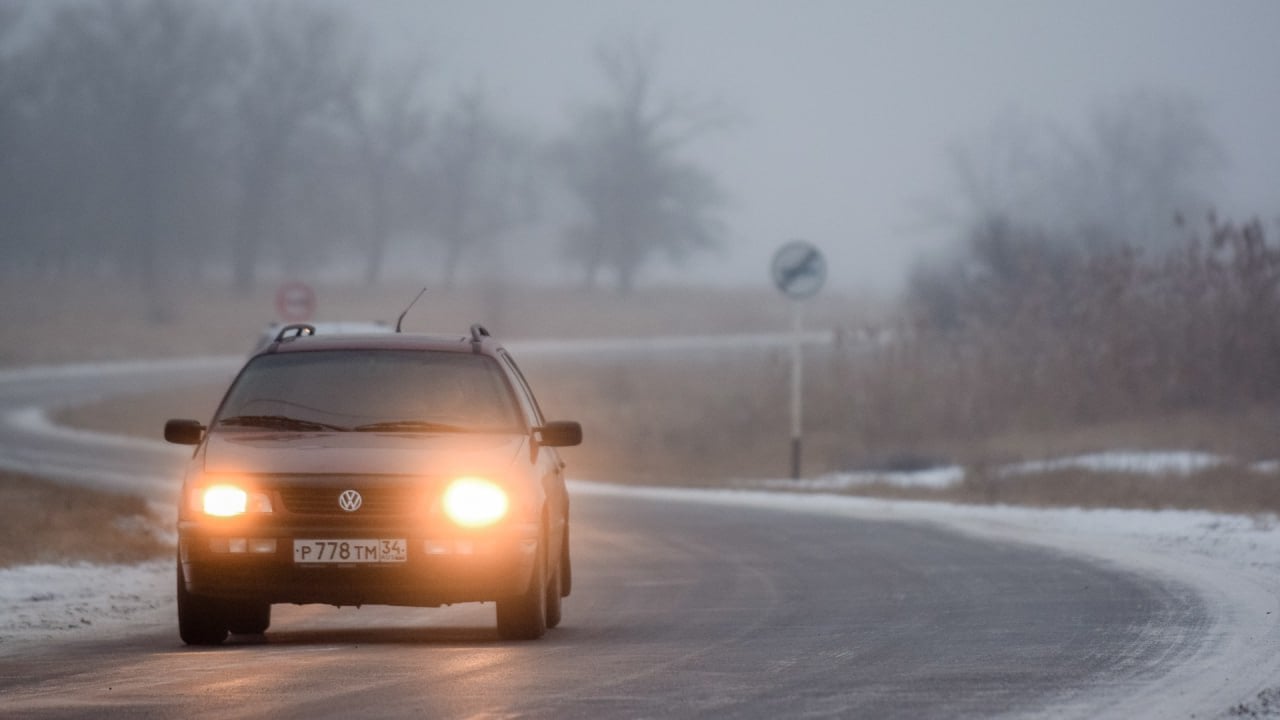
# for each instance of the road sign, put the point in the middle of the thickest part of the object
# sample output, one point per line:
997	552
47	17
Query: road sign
799	269
295	302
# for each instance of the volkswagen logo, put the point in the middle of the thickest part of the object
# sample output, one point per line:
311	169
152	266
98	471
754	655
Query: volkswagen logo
350	500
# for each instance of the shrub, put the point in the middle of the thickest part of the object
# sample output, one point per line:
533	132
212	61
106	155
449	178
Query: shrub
1041	331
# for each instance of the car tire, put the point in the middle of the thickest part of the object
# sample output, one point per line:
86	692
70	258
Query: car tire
246	617
566	565
200	619
553	598
524	617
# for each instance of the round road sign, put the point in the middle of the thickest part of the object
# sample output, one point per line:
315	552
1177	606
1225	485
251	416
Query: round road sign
295	301
799	269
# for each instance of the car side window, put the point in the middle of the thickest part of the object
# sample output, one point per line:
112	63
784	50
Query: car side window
522	389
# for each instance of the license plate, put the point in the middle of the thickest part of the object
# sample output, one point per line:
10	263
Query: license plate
350	551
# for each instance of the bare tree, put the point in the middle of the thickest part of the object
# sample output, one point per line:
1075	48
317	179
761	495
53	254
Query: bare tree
1148	159
134	85
389	122
11	127
301	70
10	15
622	161
483	183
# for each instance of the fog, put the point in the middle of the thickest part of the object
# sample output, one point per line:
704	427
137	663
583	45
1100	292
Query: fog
836	122
848	109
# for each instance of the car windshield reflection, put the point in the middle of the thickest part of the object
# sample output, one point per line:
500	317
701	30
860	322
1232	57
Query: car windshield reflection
423	426
277	422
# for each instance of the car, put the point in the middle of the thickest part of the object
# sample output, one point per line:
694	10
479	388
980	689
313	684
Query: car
384	468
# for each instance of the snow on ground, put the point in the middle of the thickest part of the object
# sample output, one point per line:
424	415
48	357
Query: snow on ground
40	603
1123	461
1155	463
938	477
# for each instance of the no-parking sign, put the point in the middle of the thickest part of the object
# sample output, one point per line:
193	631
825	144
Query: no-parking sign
295	302
799	270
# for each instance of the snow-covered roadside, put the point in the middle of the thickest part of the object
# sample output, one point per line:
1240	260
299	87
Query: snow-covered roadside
1137	462
47	603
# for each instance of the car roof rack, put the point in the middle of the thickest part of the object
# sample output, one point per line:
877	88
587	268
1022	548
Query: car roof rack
478	334
298	330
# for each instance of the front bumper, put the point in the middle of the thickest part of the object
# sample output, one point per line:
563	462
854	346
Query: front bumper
232	560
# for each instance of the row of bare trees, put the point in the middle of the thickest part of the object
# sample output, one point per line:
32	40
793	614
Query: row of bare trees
175	140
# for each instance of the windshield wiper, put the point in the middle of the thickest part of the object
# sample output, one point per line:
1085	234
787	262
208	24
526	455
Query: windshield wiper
278	422
409	426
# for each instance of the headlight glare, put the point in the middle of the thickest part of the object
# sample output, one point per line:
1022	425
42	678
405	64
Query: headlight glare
475	502
224	500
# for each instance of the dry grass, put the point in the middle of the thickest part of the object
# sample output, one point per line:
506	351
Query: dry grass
1230	488
61	524
1028	331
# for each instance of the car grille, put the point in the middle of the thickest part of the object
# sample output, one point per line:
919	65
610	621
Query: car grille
376	501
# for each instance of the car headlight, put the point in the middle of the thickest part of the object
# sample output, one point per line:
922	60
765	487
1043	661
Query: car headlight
225	500
475	502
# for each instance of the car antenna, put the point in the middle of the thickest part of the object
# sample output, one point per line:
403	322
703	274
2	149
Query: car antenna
400	320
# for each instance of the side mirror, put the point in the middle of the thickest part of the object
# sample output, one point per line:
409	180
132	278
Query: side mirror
183	432
561	433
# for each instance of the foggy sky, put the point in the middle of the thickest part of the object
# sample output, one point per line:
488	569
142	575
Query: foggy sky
847	108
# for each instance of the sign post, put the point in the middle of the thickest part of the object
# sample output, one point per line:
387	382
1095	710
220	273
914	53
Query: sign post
799	270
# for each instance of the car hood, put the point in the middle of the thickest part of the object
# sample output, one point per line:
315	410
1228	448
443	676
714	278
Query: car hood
360	453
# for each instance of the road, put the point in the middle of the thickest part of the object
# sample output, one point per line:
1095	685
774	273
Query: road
679	610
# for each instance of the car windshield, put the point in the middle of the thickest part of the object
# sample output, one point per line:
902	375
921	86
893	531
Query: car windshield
372	391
